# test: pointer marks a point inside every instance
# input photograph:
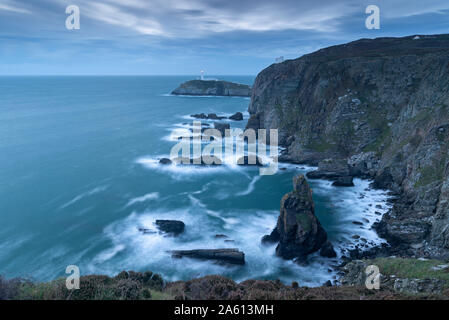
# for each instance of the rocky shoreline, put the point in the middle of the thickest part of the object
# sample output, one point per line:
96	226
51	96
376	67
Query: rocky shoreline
374	109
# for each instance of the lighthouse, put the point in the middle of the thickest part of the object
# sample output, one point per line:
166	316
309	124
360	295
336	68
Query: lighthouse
202	74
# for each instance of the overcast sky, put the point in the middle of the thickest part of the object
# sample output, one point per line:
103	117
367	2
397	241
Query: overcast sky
223	37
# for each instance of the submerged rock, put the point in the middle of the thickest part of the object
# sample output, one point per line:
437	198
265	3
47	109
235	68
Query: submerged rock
213	116
165	161
298	230
251	160
222	127
203	161
346	181
233	256
173	227
238	116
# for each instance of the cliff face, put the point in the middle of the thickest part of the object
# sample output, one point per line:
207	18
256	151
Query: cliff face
212	88
382	106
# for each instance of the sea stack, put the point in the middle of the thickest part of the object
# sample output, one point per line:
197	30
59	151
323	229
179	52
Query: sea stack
298	231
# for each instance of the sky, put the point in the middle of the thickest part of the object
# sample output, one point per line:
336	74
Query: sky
182	37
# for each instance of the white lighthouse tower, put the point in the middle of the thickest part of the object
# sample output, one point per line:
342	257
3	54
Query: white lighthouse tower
202	74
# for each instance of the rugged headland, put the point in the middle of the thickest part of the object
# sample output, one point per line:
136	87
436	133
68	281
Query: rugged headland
375	109
212	88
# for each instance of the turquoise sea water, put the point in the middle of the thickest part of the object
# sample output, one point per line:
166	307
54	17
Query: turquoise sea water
79	176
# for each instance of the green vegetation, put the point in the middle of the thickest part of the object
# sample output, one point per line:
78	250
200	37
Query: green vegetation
378	122
125	286
304	221
432	173
319	145
413	268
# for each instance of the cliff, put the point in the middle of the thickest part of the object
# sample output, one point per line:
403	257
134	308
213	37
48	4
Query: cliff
381	107
212	88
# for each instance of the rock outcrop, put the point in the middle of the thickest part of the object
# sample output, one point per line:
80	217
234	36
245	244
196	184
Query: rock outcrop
172	227
212	88
298	231
380	106
233	256
222	127
238	116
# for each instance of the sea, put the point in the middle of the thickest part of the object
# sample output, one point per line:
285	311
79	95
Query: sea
80	175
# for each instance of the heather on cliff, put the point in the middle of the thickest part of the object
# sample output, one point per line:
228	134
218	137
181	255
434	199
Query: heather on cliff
380	106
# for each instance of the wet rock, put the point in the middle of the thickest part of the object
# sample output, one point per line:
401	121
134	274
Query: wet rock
346	181
220	236
327	250
238	116
203	161
199	116
328	283
222	127
298	230
213	116
173	227
146	231
251	160
165	161
233	256
330	169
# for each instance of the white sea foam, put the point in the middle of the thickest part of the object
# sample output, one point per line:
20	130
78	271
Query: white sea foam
144	198
250	187
84	195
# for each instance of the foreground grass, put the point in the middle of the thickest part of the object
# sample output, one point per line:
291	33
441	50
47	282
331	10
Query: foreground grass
413	268
125	286
148	286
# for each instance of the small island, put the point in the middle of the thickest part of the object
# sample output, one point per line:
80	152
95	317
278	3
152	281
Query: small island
213	88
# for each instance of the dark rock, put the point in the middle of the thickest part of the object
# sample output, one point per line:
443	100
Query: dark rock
203	161
165	161
407	144
173	227
273	237
213	116
221	236
251	160
199	116
298	230
383	180
330	169
327	250
233	256
222	127
146	231
343	182
238	116
328	283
